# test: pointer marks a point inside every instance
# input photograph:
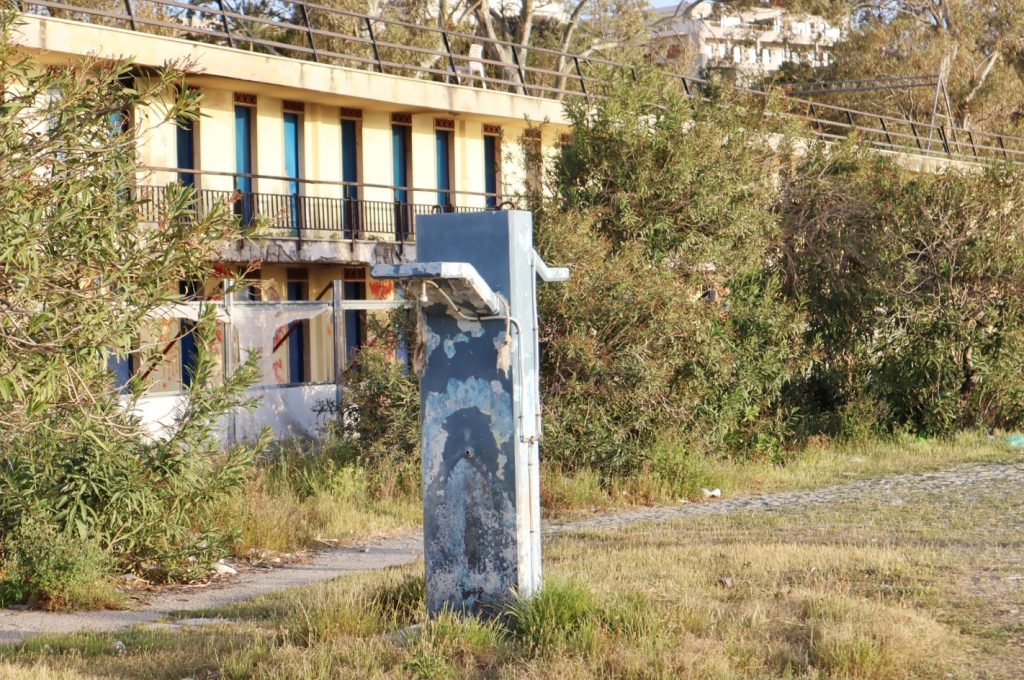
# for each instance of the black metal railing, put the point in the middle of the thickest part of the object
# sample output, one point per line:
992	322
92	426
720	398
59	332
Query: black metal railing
300	29
289	215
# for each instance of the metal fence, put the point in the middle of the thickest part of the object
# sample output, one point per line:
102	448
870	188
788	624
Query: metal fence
300	215
314	32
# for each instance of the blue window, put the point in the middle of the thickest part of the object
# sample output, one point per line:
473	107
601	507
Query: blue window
297	290
292	142
491	159
121	367
187	337
243	163
354	319
349	173
443	144
186	151
400	161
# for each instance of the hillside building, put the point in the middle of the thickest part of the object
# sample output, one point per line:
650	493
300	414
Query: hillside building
751	42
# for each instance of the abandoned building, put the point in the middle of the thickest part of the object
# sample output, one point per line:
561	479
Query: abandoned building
334	144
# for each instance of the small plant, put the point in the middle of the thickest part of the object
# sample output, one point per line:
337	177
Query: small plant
402	603
561	617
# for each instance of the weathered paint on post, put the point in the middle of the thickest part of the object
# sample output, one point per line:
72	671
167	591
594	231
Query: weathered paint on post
480	405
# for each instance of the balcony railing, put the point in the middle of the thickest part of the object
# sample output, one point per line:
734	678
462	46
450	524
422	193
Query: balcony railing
302	29
306	216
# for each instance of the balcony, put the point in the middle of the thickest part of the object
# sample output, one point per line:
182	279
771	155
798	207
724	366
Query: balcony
312	210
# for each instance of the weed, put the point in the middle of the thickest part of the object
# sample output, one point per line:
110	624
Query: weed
561	617
401	603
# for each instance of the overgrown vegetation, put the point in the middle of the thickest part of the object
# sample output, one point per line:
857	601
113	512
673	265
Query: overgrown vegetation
734	296
674	318
382	431
737	292
912	286
738	298
301	499
82	489
866	588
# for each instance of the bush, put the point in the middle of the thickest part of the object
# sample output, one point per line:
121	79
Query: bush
675	318
54	570
82	280
382	401
156	507
913	286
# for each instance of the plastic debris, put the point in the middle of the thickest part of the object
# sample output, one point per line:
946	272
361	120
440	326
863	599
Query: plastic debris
224	569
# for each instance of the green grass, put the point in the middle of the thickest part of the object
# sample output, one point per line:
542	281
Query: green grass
928	588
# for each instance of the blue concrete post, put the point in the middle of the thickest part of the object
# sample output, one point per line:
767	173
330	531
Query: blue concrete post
476	282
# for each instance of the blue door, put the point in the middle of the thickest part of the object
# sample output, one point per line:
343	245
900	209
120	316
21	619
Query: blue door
442	142
349	173
400	169
491	170
400	161
297	338
291	168
243	163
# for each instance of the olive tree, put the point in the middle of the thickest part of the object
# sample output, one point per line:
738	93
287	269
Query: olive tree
80	279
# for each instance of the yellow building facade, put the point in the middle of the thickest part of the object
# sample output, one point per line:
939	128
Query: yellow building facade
326	169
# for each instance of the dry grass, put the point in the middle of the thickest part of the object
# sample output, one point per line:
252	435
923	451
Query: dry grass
930	588
38	672
674	474
301	500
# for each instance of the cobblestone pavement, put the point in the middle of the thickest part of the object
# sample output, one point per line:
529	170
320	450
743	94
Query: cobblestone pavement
329	564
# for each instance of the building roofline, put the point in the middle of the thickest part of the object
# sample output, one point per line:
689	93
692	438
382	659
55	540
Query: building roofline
292	78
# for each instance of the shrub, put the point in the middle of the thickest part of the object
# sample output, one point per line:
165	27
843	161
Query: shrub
82	279
156	507
55	570
675	318
913	285
382	425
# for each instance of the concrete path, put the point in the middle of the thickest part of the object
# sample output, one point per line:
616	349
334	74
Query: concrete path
16	625
329	564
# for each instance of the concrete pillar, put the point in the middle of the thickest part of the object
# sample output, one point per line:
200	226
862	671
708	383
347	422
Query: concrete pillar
475	280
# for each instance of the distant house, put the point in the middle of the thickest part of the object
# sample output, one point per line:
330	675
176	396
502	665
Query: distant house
750	42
